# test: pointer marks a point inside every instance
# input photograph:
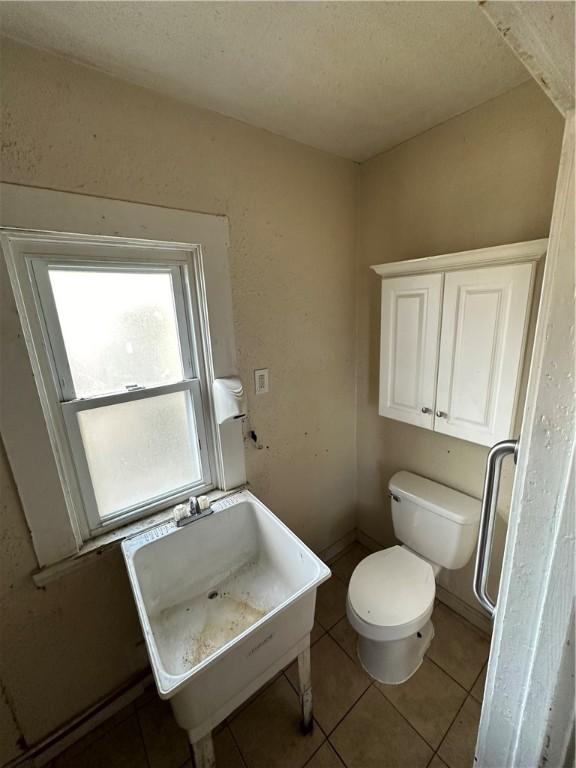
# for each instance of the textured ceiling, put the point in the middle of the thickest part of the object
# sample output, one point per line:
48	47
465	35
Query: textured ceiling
352	78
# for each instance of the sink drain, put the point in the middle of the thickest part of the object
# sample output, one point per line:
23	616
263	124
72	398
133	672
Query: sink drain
212	595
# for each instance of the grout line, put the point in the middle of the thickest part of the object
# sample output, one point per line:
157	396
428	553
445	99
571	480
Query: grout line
441	668
476	680
327	629
328	733
338	755
341	720
352	658
403	716
466	695
460	708
312	756
324	632
141	732
350	708
237	745
330	746
429	763
295	690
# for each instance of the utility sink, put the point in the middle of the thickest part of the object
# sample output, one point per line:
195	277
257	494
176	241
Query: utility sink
225	602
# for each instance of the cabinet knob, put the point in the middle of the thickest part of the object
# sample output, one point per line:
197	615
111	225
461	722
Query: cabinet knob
426	410
441	414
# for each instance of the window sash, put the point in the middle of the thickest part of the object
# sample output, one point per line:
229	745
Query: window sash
70	410
48	313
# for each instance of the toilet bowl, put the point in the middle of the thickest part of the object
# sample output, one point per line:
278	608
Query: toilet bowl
391	592
389	604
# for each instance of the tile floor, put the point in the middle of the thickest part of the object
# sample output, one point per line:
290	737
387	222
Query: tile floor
429	722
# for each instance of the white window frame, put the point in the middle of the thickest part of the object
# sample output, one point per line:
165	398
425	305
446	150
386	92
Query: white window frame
41	466
90	254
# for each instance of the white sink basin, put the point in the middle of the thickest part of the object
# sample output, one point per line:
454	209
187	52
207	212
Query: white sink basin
224	603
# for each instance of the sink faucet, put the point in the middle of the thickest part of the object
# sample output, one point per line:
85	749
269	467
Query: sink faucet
196	508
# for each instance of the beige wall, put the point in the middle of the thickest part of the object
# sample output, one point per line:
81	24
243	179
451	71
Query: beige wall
484	178
291	212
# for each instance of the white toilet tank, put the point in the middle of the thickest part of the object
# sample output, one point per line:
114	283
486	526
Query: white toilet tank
437	522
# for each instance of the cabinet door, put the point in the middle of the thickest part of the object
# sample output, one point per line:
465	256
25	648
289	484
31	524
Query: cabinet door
409	347
484	320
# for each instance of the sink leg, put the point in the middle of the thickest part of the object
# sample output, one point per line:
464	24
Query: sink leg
203	752
305	685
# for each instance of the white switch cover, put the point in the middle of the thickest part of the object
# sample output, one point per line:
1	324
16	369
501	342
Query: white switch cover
261	381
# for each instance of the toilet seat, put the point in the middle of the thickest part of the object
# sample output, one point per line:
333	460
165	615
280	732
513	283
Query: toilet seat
391	594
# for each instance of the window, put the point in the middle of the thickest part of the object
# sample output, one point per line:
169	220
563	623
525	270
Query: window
121	331
123	352
111	348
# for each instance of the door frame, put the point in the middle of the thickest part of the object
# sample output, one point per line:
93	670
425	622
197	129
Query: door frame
528	712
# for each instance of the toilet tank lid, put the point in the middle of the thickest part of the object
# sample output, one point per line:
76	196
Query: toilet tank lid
443	501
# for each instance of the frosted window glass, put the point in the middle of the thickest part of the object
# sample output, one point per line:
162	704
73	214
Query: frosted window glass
140	449
119	328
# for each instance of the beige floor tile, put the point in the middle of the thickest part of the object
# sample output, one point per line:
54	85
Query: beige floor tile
336	682
317	632
268	730
478	689
375	735
227	753
330	602
344	566
166	743
325	758
346	638
437	763
429	701
458	647
457	749
120	747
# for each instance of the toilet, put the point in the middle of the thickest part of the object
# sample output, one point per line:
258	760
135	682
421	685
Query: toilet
391	592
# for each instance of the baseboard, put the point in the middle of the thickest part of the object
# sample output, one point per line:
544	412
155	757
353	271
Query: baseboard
478	619
50	747
335	550
368	541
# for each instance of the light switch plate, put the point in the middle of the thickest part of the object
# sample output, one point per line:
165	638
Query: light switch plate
261	381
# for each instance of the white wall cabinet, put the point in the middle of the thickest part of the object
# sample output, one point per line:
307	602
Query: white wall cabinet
453	338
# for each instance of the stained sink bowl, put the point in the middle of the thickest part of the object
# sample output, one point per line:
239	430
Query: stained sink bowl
225	603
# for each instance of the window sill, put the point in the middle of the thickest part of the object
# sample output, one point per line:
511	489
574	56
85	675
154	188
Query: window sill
107	541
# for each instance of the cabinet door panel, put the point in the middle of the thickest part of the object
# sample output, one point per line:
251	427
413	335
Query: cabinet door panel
409	347
481	351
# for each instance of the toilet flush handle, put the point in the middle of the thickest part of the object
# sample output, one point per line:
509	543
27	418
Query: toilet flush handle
394	497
